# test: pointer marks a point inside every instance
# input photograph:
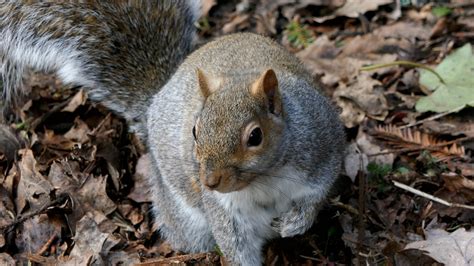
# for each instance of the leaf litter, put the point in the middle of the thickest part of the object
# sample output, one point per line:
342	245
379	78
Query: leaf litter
78	193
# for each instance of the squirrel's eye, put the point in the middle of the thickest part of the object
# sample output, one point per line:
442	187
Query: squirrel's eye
255	137
194	132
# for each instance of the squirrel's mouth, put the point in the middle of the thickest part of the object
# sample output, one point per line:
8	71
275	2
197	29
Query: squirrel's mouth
228	183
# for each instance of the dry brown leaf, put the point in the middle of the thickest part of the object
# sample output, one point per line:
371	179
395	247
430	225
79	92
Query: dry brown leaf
57	142
449	127
294	8
7	212
93	195
206	6
354	161
357	93
363	93
34	232
460	184
354	8
357	155
122	258
7	260
93	239
88	243
404	29
33	187
411	138
236	23
456	248
77	100
79	132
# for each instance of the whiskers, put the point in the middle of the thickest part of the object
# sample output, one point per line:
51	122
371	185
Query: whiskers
262	178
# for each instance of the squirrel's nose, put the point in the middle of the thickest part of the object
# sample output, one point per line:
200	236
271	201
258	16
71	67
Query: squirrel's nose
213	181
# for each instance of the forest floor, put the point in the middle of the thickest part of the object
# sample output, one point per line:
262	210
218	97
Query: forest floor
402	76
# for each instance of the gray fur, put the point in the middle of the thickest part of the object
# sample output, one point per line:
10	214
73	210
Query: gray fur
294	174
122	51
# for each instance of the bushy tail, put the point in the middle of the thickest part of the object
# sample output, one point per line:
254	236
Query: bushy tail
122	52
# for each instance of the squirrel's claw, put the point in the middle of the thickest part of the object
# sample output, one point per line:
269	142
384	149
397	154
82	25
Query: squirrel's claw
295	222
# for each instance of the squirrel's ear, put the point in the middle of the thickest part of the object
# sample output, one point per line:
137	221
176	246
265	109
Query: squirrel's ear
267	86
207	85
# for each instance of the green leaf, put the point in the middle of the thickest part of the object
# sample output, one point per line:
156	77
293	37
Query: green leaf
217	249
457	71
441	11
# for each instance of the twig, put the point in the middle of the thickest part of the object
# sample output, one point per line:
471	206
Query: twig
434	147
431	197
46	245
434	117
347	207
401	62
39	211
310	258
210	257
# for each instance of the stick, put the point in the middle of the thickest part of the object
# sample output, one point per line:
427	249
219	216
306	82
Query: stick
210	257
46	245
431	197
403	63
39	211
434	117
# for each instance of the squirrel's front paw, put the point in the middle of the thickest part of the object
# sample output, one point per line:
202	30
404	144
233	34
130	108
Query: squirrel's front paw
295	222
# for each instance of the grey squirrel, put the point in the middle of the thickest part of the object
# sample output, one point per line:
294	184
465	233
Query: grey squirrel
243	146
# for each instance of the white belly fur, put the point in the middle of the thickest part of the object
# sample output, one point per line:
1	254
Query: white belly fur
265	199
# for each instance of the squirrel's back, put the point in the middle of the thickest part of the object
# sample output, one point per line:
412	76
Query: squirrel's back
123	51
242	53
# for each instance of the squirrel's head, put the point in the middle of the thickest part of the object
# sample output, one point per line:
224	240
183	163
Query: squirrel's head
238	131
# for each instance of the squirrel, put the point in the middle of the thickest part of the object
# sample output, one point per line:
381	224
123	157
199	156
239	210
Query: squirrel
243	146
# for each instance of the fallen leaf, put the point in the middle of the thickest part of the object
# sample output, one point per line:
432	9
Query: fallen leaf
355	161
122	258
404	29
367	146
206	6
457	91
33	233
93	195
7	260
460	184
456	248
88	243
354	8
357	93
79	132
364	94
237	22
452	127
33	189
7	212
77	100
